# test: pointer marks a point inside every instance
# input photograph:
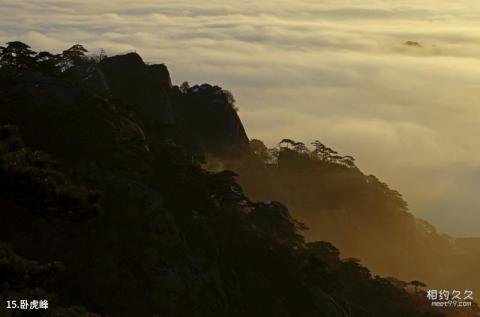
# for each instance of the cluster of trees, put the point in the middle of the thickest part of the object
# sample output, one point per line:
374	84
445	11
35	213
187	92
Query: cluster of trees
319	153
19	55
32	179
217	92
34	191
320	165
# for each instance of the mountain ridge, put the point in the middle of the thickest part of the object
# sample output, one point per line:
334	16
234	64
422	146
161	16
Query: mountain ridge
166	237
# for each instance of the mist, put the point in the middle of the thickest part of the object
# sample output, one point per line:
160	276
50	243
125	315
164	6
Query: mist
330	70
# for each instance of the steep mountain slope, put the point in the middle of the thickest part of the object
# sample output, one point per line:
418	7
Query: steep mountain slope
358	213
208	113
103	190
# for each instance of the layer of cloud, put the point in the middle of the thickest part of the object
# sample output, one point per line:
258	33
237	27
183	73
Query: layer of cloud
333	70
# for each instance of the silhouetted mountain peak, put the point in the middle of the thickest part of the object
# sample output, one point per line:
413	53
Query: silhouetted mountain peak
160	74
143	87
129	61
209	113
107	181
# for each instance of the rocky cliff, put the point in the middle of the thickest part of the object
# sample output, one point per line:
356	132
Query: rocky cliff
104	205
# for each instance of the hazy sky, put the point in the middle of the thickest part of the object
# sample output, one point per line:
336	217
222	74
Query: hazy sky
333	70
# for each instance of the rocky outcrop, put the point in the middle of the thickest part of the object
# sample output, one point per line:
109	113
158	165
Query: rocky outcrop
209	115
143	87
204	115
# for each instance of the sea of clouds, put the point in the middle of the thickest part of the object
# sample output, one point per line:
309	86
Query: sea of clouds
337	71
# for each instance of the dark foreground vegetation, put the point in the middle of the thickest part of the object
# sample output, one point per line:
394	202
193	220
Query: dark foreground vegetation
106	209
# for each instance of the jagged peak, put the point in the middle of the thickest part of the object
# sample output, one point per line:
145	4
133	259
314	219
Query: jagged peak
132	58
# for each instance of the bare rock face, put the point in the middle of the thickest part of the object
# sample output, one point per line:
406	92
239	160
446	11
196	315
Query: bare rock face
208	113
143	87
160	74
204	114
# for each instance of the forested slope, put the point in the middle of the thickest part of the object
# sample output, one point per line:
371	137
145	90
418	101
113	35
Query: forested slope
105	205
